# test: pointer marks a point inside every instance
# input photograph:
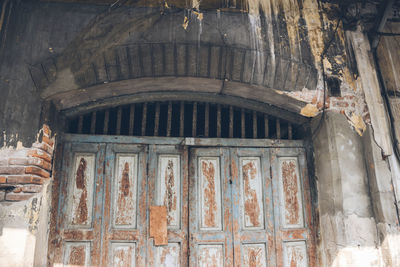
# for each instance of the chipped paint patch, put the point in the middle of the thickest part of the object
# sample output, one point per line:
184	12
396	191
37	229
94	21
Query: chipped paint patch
358	123
309	110
185	23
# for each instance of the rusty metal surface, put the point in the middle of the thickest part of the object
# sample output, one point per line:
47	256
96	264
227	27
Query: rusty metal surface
158	225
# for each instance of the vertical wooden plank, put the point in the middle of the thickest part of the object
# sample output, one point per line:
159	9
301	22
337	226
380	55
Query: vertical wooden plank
169	119
243	124
81	191
210	193
144	119
230	122
182	119
218	120
254	124
278	129
93	123
290	191
80	124
157	119
124	191
119	117
106	119
131	118
169	187
266	126
290	131
252	194
194	120
206	120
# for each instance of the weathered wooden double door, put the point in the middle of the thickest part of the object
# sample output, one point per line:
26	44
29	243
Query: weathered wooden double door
226	206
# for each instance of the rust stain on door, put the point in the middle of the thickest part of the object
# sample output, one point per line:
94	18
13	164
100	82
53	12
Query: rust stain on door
170	196
295	258
158	225
122	258
77	256
251	205
125	204
81	213
209	193
290	188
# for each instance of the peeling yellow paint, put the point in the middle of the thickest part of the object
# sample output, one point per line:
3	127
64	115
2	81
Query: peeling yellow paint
199	15
358	123
309	110
185	23
196	4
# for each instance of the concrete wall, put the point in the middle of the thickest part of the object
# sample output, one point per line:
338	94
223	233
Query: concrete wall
358	219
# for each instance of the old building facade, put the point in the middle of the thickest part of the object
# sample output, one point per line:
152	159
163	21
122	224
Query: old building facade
199	133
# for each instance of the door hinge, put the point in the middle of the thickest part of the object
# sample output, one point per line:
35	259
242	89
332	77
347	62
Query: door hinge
270	172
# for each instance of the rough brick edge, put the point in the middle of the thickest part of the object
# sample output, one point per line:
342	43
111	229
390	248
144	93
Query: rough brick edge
24	171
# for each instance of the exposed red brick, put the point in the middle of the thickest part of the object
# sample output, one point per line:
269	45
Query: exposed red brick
31	188
17	190
43	146
30	161
12	170
38	171
40	154
46	130
24	179
3	179
47	140
18	196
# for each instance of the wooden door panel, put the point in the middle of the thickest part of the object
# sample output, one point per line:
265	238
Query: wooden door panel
125	219
168	186
254	255
290	193
169	256
122	254
80	200
293	219
124	191
210	223
253	228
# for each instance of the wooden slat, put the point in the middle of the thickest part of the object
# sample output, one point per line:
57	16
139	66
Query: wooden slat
93	123
119	117
266	126
278	129
169	119
206	120
131	118
290	131
194	120
182	119
230	122
243	124
218	120
80	124
157	119
106	119
254	124
144	119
